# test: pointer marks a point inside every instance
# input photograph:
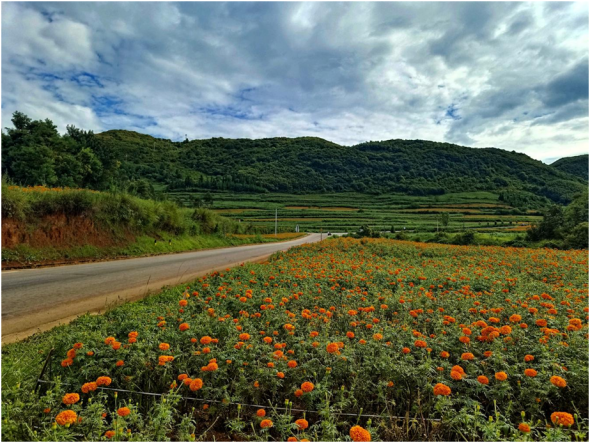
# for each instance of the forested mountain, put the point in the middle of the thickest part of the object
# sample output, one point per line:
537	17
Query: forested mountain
577	165
34	153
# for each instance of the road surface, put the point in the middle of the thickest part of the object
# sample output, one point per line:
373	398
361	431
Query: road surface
36	300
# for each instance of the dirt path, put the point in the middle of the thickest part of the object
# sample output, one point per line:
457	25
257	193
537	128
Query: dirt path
35	300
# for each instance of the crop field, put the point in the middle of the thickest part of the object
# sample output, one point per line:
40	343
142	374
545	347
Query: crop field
346	212
338	340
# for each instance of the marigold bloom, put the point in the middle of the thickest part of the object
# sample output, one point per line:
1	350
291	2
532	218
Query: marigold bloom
67	362
501	376
244	336
406	350
109	434
292	439
109	340
184	326
332	348
70	399
523	427
292	364
164	346
298	393
558	381
302	424
196	384
467	356
530	372
420	344
123	412
464	339
528	358
264	424
307	386
359	434
87	387
456	375
261	413
441	389
120	363
483	380
444	354
67	417
562	419
103	381
281	374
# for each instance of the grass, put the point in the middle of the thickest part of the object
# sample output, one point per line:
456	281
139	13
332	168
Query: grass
60	224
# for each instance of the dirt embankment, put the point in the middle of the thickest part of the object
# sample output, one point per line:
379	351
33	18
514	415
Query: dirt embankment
60	232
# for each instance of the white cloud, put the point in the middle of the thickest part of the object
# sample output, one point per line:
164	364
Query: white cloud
481	74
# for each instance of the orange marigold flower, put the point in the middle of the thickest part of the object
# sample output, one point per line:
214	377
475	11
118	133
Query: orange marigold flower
441	389
359	434
81	345
332	348
501	376
444	354
182	377
164	346
406	350
467	356
261	413
541	322
307	386
420	344
281	374
87	387
67	362
528	358
109	434
109	340
264	424
464	339
244	336
70	399
530	372
65	418
483	380
123	412
103	381
458	369
292	364
558	381
292	439
562	419
196	384
302	424
523	427
456	375
120	363
184	326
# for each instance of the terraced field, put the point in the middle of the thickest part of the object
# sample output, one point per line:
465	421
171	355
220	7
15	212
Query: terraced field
346	212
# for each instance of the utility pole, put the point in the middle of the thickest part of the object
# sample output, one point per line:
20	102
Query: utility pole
276	220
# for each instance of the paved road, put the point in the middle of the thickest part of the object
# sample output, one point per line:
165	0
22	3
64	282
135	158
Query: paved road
38	299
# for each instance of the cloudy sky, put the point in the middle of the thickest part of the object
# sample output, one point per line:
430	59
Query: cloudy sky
508	75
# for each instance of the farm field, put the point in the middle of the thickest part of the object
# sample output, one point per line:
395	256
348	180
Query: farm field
339	340
346	212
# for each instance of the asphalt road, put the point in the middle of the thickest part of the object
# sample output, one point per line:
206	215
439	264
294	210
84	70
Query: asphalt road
37	299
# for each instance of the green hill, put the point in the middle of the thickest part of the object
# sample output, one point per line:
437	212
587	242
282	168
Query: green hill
308	164
577	165
35	153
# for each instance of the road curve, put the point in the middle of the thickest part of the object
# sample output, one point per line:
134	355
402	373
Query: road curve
36	300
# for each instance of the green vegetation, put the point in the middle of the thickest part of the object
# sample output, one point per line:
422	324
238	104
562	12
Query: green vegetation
56	224
577	165
34	153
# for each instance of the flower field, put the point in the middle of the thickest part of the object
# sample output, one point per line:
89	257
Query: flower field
339	340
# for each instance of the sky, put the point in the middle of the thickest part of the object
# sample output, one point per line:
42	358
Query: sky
496	74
